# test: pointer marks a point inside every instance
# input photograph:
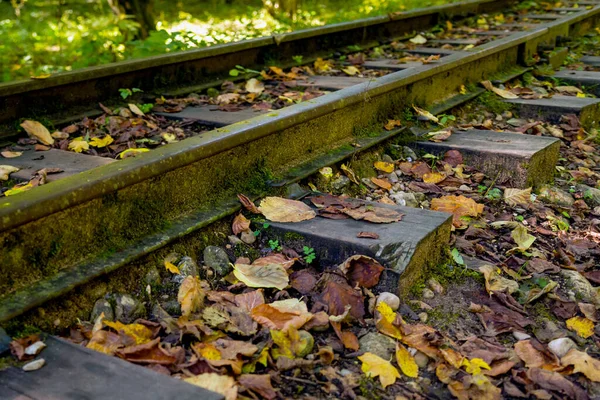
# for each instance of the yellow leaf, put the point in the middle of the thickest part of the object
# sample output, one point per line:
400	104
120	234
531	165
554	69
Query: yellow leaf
582	326
38	131
139	332
351	70
426	114
172	267
391	124
522	238
322	65
474	365
190	295
278	209
18	189
262	276
11	154
78	145
496	283
207	350
42	76
132	152
407	363
433	177
105	141
383	166
582	95
222	384
385	321
292	344
374	366
6	170
463	89
382	183
449	25
505	94
584	363
169	137
459	206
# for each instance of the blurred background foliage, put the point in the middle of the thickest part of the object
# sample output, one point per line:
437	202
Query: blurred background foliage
40	37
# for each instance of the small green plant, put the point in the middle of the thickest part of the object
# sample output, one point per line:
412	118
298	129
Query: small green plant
494	194
298	59
433	158
309	254
125	93
241	70
519	218
481	189
445	118
274	245
146	108
458	259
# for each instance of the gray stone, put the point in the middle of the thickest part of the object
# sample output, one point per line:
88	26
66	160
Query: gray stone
403	247
590	195
217	259
561	346
102	306
582	288
428	294
392	177
421	359
4	342
378	344
521	335
248	237
187	267
294	191
405	199
589	79
172	307
513	159
234	240
390	299
423	317
128	308
152	276
553	195
367	182
340	182
408	153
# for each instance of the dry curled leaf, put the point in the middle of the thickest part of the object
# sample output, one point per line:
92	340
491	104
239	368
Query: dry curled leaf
262	276
248	204
38	131
278	209
505	94
190	295
382	183
391	124
240	224
426	115
459	206
362	271
517	197
583	363
375	214
222	384
496	283
6	170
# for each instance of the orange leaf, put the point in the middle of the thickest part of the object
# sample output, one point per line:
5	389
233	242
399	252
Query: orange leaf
459	206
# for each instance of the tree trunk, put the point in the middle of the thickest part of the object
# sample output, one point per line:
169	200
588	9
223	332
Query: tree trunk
141	10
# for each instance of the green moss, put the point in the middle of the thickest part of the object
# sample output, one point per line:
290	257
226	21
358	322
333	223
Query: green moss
493	103
541	313
23	331
290	236
442	319
6	362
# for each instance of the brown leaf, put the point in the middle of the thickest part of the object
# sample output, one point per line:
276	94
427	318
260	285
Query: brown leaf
303	281
391	124
247	301
382	183
276	258
230	349
459	206
553	381
367	235
532	357
362	271
375	214
248	204
38	131
278	209
18	346
147	353
282	318
337	295
190	295
240	224
583	363
348	339
260	384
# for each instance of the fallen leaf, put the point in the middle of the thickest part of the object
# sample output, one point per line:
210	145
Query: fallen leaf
278	209
384	321
350	174
240	224
38	131
374	366
248	204
382	183
532	357
6	170
207	351
136	110
391	124
582	326
140	333
351	70
517	197
426	114
439	136
474	365
367	235
362	271
375	214
105	342
20	188
339	295
133	152
78	145
172	268
419	39
253	85
282	315
259	384
434	177
522	237
292	344
407	363
496	283
221	384
383	166
459	206
105	141
505	94
190	295
583	363
11	154
262	276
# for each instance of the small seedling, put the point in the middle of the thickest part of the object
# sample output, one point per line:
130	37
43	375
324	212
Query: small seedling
241	70
298	59
445	118
457	257
146	108
494	194
274	245
125	93
309	254
519	218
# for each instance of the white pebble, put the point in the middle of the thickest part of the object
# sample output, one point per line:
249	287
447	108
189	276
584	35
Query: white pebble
561	346
390	299
521	335
34	349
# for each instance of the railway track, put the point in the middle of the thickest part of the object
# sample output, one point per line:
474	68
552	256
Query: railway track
102	224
